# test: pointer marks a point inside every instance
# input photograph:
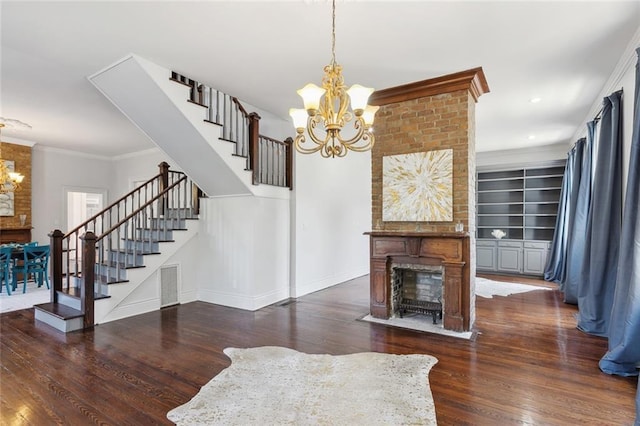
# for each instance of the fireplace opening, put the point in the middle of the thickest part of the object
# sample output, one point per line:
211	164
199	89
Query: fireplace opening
417	289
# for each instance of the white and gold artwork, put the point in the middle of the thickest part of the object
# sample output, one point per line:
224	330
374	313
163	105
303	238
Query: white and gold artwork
418	187
7	198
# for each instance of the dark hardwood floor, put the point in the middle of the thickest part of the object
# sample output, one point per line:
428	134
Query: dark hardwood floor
528	364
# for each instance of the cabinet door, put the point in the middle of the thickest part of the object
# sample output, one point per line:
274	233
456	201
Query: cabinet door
535	257
510	259
486	258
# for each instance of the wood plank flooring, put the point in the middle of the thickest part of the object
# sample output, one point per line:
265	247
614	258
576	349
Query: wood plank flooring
528	364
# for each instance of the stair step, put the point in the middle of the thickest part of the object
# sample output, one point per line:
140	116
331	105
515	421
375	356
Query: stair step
122	265
75	293
59	316
154	234
59	310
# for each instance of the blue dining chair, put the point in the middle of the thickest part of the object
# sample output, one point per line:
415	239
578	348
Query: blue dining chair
5	267
36	263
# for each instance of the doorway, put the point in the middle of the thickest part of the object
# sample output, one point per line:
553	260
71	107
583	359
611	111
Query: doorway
82	204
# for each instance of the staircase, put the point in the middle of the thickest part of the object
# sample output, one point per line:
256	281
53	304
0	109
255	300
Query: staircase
99	264
91	264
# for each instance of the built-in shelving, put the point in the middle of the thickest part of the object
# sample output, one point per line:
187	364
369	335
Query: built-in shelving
522	202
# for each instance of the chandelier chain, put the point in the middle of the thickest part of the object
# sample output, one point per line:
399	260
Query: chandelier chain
333	33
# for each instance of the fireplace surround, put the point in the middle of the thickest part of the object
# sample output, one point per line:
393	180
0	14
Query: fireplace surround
448	251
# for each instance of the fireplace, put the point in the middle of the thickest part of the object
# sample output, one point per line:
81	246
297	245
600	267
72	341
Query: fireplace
417	288
429	254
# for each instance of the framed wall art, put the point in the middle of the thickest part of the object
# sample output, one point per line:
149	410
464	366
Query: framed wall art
418	187
7	198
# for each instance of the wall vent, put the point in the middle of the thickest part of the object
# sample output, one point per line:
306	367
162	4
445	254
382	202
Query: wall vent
169	286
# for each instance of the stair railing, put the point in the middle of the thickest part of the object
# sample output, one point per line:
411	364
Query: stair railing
270	160
116	238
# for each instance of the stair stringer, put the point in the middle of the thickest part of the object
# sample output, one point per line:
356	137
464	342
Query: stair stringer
116	307
182	133
131	87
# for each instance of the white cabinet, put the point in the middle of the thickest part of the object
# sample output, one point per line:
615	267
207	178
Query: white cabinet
486	255
535	257
512	256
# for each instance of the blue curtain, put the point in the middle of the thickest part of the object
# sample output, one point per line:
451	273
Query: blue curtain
623	356
556	267
595	291
577	244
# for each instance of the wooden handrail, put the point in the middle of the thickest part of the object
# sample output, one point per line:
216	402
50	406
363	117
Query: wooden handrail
110	206
241	127
240	107
138	210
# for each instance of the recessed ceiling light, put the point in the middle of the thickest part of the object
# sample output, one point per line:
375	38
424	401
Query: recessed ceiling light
532	137
534	100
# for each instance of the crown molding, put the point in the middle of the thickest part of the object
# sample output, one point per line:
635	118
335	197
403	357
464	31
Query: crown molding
472	80
137	154
17	141
44	148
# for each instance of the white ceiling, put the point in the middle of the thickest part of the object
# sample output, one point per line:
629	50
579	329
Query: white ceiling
263	51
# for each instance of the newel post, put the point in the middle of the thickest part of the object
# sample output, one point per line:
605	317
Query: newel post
289	163
87	290
55	240
254	146
164	183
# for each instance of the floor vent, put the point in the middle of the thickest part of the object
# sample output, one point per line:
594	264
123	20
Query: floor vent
286	302
169	286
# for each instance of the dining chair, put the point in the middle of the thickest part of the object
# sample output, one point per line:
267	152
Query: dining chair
36	263
5	267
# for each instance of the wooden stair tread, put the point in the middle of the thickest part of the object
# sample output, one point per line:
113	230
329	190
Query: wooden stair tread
75	293
212	122
59	310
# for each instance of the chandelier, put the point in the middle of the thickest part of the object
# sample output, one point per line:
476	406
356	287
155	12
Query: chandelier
10	180
326	112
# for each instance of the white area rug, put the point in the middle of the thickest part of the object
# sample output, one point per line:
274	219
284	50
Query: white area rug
18	300
488	288
278	386
419	322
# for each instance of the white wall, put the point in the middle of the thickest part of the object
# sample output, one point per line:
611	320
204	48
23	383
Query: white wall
244	251
331	209
135	167
52	171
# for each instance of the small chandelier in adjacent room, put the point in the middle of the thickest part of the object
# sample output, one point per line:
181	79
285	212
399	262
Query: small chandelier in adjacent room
326	112
10	180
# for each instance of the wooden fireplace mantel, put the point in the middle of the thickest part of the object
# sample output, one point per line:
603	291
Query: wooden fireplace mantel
449	250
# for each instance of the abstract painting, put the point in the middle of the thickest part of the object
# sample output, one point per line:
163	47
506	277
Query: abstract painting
418	187
7	198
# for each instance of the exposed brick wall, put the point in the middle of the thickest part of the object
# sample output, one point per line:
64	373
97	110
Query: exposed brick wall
442	121
21	155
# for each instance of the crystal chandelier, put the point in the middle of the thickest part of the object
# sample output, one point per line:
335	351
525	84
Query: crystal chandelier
326	112
10	180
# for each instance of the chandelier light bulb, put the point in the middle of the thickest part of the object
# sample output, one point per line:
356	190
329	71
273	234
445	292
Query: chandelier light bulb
311	95
359	96
369	114
299	117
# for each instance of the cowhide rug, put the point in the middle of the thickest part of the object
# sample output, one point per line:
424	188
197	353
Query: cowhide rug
278	386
